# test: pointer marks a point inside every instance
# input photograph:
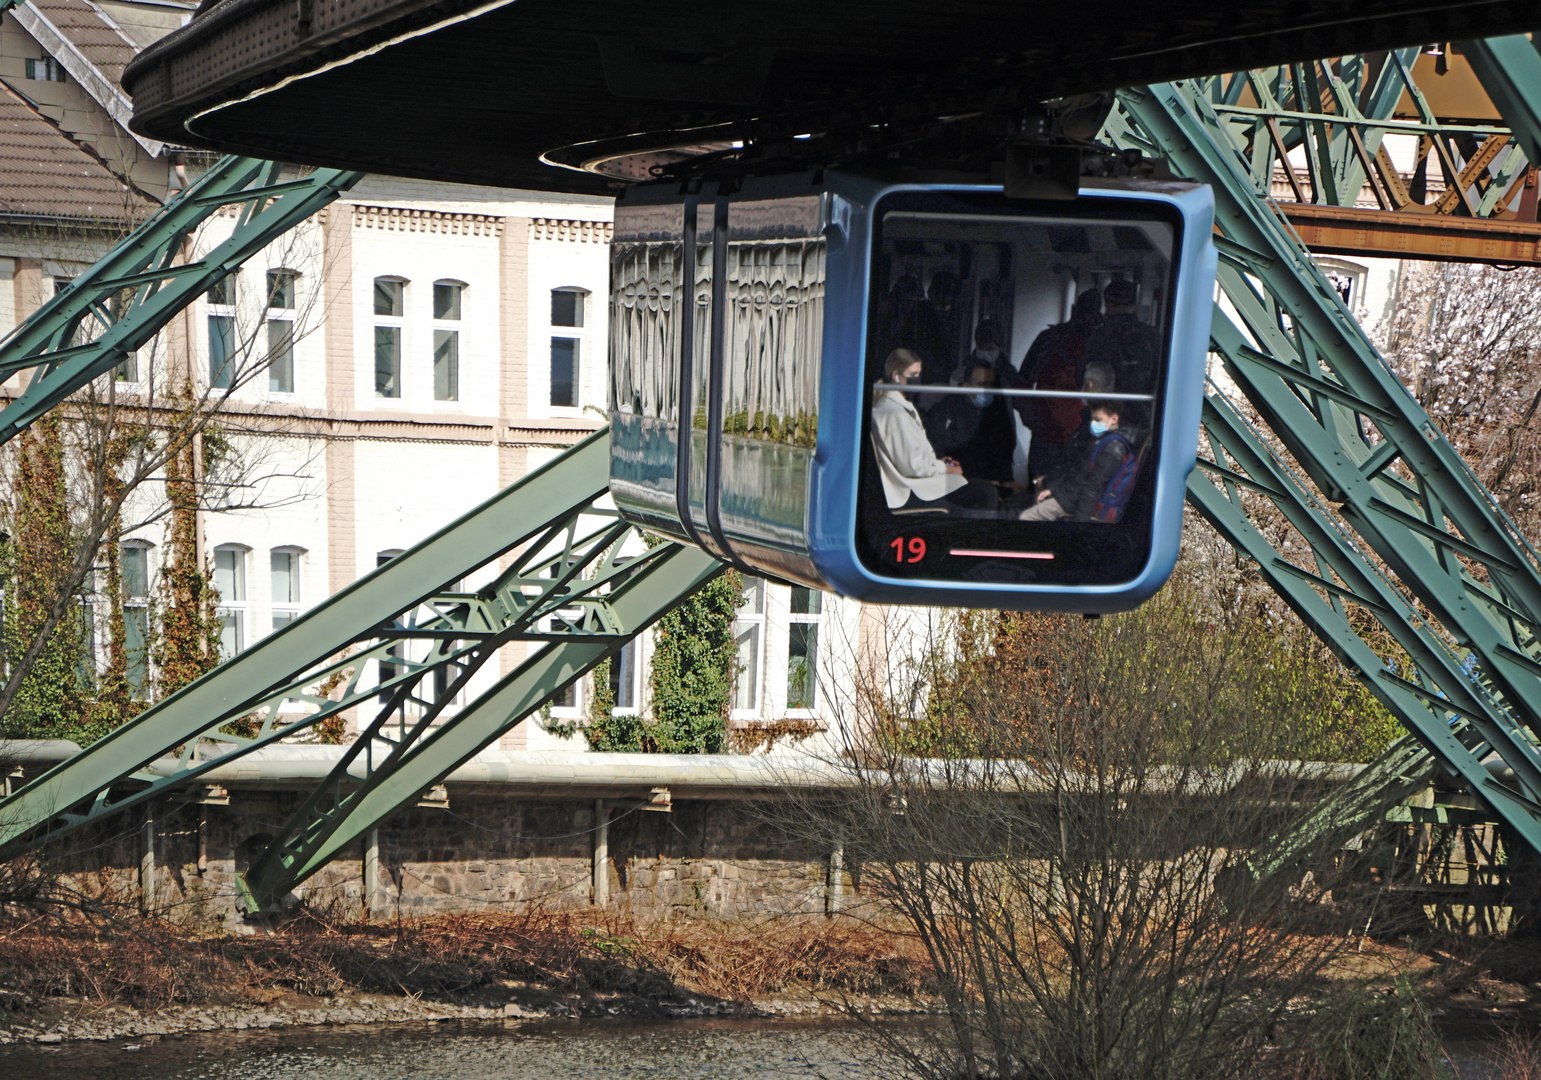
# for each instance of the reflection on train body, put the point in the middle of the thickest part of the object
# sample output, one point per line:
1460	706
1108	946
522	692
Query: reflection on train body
916	393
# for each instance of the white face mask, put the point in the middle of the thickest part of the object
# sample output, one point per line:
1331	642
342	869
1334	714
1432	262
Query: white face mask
988	354
980	400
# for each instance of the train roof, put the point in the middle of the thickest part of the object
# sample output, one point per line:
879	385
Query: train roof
541	93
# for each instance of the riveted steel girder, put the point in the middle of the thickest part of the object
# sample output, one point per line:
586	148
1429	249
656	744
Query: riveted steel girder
1311	135
1422	547
133	291
380	773
378	640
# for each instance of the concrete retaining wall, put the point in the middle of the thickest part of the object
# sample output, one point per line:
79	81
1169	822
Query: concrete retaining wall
484	850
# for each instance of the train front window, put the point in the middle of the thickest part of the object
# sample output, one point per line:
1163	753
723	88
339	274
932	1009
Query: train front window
1014	384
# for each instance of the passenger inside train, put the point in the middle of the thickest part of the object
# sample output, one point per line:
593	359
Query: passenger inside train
1016	376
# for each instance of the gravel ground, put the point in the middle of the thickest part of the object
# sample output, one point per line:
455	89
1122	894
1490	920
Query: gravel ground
70	1021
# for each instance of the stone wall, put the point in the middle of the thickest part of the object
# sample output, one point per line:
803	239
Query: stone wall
481	851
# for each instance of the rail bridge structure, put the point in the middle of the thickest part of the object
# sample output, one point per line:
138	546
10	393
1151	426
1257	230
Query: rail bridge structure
1395	533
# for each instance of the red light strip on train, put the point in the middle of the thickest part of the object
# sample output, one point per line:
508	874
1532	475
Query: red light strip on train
978	553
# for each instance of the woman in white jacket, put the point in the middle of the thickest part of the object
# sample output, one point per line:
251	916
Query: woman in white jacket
913	476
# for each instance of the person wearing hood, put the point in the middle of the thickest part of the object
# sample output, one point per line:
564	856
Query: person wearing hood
913	475
1055	362
1073	492
1127	345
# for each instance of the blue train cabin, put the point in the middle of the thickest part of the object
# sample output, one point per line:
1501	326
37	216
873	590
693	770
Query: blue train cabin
914	392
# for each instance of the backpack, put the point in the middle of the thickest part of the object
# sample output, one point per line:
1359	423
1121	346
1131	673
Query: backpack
1115	496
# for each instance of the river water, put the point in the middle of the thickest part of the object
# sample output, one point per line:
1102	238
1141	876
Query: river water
498	1050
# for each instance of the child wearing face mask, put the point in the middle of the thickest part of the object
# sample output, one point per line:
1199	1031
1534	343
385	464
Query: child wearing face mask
1073	492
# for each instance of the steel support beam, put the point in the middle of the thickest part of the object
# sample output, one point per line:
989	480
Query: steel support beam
1343	230
1350	459
378	774
1510	71
380	639
132	292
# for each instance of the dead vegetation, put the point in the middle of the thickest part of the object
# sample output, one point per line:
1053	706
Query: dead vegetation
447	957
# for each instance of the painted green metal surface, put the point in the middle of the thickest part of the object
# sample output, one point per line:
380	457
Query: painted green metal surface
1340	112
133	291
1510	70
403	602
1404	769
379	774
1332	421
1303	416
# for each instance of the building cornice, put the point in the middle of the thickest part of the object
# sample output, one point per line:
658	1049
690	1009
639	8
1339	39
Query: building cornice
571	230
400	219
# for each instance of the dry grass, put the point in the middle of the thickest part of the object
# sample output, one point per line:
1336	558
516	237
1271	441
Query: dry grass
150	965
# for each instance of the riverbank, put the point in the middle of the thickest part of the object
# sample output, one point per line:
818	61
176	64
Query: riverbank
144	981
150	980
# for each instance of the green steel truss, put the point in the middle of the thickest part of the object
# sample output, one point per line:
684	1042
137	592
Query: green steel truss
1340	112
1303	421
400	645
123	301
1394	528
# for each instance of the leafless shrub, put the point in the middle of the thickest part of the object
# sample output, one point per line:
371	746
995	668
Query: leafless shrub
1062	813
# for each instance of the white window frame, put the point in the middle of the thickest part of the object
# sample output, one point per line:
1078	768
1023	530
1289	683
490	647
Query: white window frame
230	607
454	326
399	322
136	606
578	335
288	607
632	649
127	371
285	317
212	311
1356	274
810	711
750	616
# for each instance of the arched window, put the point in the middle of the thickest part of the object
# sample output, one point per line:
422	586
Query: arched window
390	308
447	298
281	307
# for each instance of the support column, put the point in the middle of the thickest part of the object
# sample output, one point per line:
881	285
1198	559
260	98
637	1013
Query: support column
203	840
147	860
372	871
834	882
601	854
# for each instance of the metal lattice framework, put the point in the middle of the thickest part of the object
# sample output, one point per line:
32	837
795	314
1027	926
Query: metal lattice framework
1313	138
1306	420
1393	522
133	291
403	645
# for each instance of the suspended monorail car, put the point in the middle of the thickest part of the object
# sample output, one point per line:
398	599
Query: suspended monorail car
914	392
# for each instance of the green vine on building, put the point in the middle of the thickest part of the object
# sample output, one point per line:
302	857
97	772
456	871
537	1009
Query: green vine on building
691	683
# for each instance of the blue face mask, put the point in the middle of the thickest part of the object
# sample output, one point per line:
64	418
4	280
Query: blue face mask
980	400
1099	428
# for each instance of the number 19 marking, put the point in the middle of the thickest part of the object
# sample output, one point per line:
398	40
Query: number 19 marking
915	546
